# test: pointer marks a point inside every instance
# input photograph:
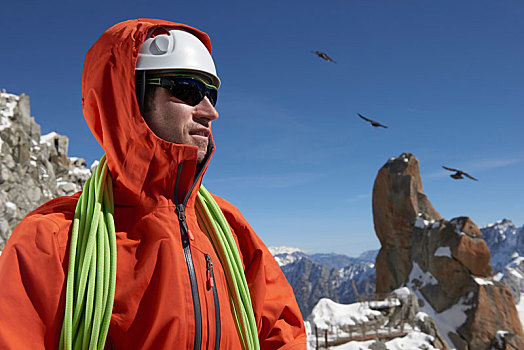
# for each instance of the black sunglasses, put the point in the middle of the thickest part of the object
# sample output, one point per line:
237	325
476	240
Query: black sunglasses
187	88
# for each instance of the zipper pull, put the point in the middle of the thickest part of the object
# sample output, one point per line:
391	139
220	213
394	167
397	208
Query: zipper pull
181	212
210	279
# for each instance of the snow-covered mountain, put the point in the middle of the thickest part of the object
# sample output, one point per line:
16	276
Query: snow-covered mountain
286	255
335	276
504	240
506	245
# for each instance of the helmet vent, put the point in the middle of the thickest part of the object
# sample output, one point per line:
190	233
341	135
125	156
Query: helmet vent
160	45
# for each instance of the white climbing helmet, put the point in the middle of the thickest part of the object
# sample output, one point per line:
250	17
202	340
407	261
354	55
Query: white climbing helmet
176	49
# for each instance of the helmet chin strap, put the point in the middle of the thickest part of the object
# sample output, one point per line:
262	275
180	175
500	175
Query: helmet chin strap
142	91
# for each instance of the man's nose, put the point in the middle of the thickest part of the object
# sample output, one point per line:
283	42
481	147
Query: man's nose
206	110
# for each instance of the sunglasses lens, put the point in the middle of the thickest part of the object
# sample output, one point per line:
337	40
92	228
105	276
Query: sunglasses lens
191	91
212	96
187	91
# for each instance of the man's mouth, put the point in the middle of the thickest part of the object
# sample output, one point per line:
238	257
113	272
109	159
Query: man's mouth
200	132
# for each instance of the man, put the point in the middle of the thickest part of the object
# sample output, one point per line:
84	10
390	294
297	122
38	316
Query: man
158	143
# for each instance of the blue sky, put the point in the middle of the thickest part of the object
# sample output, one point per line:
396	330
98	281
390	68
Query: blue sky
445	76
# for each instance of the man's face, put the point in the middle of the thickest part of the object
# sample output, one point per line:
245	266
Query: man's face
175	121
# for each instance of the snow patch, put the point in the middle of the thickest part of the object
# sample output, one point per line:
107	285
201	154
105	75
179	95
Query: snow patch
80	172
520	308
515	273
282	249
443	251
449	320
498	277
8	104
421	316
421	223
10	210
500	340
384	304
402	293
285	255
48	137
422	277
328	313
93	166
414	340
483	281
455	223
10	205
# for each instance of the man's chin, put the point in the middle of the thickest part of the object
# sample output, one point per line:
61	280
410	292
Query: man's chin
201	155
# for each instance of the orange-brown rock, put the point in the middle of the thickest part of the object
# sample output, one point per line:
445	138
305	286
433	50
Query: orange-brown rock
494	311
447	292
398	196
391	278
471	250
446	263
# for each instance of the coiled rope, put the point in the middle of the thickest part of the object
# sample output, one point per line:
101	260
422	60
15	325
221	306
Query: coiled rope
216	227
90	290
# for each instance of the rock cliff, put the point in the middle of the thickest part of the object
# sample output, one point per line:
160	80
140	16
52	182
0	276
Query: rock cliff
33	168
446	263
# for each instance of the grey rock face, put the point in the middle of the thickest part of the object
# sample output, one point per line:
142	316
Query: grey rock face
410	313
512	277
33	168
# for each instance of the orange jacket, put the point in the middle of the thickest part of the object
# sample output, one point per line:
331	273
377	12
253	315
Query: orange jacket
163	298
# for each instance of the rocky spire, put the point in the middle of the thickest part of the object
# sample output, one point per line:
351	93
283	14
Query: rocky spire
446	263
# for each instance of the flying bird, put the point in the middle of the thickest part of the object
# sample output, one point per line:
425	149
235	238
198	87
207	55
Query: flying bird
372	122
458	174
323	55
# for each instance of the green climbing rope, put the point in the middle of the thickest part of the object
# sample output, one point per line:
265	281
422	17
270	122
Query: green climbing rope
215	225
90	290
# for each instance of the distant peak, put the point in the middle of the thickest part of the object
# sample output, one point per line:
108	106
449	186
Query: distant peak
503	222
284	250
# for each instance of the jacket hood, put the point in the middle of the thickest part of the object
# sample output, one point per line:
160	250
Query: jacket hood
143	166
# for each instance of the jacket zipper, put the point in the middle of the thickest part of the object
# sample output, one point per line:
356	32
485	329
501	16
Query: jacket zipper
184	231
192	275
186	234
212	285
